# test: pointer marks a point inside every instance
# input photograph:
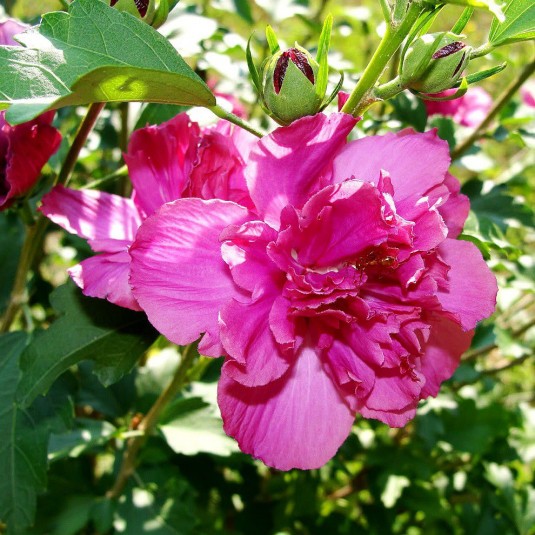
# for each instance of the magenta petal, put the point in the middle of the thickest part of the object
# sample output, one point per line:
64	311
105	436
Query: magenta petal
456	208
415	162
92	214
447	342
472	288
245	333
106	276
394	397
160	159
24	150
286	166
299	421
219	172
178	275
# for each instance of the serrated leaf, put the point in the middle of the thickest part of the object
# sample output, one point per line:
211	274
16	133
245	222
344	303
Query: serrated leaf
94	53
519	23
23	445
113	337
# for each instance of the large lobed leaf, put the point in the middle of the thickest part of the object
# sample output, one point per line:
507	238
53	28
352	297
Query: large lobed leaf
94	53
23	445
113	337
519	23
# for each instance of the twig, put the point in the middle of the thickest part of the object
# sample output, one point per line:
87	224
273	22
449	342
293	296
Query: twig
149	422
502	100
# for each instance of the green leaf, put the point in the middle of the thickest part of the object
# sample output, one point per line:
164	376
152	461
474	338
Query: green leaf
113	337
86	435
94	53
192	425
23	445
519	23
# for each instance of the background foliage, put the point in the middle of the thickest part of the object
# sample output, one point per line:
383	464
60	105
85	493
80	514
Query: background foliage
464	465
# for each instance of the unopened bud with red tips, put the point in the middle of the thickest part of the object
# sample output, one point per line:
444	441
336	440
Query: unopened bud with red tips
153	12
289	85
293	84
434	62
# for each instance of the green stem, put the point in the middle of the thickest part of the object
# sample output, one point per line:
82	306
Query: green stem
35	233
389	90
362	98
223	114
483	50
79	141
150	421
502	100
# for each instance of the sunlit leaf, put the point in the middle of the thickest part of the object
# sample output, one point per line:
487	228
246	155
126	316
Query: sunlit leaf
94	54
88	328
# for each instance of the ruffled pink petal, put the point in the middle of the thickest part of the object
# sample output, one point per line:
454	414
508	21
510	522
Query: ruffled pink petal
244	250
456	206
93	215
106	276
394	397
472	288
25	150
160	159
286	166
178	275
257	358
299	421
447	342
219	172
415	162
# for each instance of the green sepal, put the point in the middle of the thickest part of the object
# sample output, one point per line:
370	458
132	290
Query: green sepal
322	57
463	20
487	73
421	26
334	92
252	67
161	14
461	90
272	40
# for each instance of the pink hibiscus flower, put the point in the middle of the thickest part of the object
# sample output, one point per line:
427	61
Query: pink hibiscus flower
468	110
25	148
342	290
164	163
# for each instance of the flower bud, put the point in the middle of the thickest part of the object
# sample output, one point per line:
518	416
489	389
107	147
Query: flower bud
430	67
289	85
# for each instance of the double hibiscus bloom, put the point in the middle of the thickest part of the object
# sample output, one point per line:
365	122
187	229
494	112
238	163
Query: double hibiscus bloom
326	273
